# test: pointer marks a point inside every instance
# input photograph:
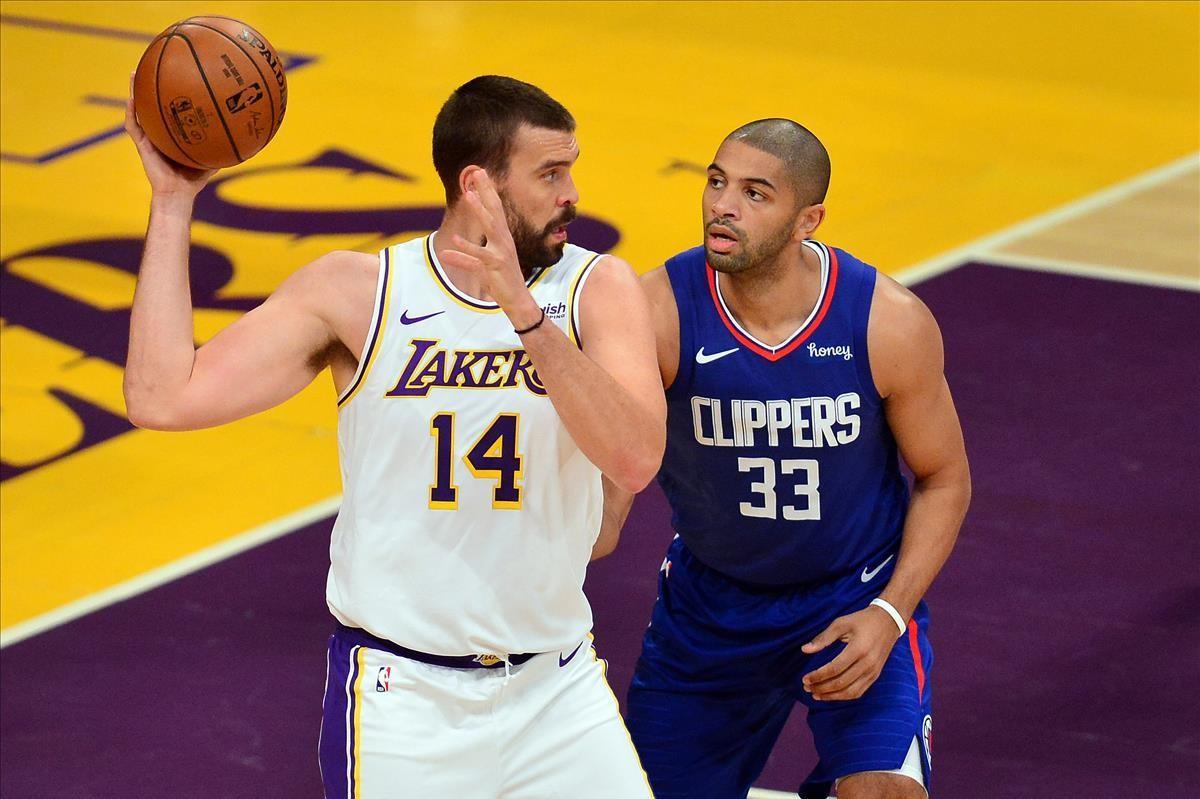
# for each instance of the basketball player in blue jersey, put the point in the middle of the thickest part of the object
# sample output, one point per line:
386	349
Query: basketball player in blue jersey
478	370
796	377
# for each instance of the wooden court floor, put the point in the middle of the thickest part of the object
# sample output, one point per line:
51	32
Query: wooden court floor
987	133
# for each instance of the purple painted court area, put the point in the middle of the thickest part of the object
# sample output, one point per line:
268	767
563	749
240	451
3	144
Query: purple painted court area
1065	625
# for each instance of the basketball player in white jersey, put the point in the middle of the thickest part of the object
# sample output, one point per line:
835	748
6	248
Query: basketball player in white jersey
488	376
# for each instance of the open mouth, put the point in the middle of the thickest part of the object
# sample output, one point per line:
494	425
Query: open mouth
556	231
721	239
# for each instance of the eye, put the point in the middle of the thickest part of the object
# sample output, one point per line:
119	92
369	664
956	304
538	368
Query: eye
550	176
715	181
755	195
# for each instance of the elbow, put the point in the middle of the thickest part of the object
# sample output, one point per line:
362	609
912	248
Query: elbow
964	483
636	469
147	413
145	418
967	492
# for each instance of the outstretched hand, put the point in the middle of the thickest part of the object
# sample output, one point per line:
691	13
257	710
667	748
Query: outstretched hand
869	636
495	261
166	177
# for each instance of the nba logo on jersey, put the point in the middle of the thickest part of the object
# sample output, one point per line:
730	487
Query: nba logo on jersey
927	737
382	679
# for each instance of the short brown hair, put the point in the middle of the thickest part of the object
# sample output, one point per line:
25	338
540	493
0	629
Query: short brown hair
478	122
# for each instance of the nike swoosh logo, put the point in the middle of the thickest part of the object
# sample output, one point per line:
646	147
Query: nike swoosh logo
702	357
405	319
564	661
869	574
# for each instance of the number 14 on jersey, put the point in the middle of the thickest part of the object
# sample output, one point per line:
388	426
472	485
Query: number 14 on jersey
493	456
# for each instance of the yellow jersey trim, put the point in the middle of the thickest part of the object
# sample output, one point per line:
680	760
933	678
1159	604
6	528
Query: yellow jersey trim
375	334
573	300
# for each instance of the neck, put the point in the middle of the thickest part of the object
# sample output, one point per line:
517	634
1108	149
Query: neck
457	222
775	294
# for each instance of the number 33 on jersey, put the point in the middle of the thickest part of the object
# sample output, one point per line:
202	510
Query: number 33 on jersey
780	465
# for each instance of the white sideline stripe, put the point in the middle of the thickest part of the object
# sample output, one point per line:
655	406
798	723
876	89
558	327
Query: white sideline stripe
977	250
1098	271
763	793
170	571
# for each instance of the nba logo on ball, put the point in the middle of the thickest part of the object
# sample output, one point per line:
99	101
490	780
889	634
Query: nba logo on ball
382	679
244	97
193	99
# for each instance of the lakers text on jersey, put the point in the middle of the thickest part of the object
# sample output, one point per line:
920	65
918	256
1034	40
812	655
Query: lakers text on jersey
469	513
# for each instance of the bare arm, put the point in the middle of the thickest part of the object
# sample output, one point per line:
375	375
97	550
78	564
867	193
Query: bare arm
617	503
257	362
262	359
664	317
907	366
907	361
608	395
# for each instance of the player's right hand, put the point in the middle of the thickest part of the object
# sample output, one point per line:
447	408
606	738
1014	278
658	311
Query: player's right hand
166	177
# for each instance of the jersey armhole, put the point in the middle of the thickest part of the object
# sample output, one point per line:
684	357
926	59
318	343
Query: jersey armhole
686	300
374	342
862	322
576	294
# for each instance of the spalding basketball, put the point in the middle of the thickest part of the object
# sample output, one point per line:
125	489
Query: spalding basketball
209	92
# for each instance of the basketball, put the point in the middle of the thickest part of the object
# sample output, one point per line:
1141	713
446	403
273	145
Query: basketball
210	92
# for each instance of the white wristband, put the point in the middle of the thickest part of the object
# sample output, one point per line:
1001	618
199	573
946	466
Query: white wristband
879	602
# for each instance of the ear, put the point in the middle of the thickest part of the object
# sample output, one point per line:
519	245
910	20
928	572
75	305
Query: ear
467	178
807	222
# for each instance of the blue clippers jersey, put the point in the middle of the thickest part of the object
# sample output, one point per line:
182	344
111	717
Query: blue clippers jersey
780	466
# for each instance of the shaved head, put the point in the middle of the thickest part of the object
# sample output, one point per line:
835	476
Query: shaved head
802	154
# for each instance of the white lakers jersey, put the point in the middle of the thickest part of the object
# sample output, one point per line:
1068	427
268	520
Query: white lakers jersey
469	513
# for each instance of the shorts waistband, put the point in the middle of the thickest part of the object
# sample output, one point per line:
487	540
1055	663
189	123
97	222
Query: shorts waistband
361	637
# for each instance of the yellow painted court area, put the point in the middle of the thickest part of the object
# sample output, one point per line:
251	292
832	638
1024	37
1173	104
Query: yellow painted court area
945	121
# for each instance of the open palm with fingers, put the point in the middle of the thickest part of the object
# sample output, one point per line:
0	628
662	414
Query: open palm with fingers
495	261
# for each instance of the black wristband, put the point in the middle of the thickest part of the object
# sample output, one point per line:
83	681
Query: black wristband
532	327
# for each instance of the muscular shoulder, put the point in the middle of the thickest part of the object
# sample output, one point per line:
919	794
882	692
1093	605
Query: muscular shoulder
664	316
611	294
657	284
610	275
338	280
338	288
332	275
903	338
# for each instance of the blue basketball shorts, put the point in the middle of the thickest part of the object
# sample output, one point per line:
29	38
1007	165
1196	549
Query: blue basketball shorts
721	669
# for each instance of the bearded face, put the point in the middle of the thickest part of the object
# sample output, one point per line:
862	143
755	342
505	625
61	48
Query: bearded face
538	247
731	249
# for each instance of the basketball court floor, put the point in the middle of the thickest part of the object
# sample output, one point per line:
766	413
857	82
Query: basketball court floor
1031	170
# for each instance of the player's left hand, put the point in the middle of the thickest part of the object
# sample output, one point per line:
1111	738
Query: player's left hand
496	259
869	635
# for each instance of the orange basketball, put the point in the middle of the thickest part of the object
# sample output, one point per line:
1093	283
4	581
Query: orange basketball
210	92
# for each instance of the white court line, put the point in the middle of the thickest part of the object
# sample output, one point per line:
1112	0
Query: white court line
1036	263
171	571
978	249
975	250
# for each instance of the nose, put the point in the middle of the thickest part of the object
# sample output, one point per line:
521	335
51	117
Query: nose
723	204
570	194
